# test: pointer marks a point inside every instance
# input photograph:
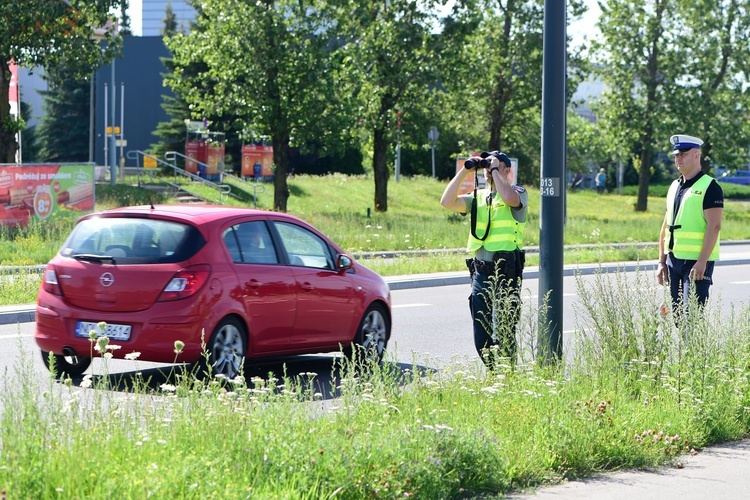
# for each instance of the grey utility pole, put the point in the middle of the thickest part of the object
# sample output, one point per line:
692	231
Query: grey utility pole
113	138
433	135
552	184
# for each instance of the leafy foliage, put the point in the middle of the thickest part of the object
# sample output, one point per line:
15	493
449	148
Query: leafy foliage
64	129
50	34
274	82
673	66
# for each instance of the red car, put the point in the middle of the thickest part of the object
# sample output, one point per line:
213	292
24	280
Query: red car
243	283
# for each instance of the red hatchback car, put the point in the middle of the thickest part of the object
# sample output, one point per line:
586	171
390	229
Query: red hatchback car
245	283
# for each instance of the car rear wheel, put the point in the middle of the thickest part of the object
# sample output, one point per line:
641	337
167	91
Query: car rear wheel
227	348
372	335
72	366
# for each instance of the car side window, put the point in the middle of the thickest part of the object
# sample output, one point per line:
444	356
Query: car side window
250	243
304	248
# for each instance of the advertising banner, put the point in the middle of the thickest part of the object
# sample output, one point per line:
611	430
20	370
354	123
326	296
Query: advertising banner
215	159
257	160
13	93
45	191
196	150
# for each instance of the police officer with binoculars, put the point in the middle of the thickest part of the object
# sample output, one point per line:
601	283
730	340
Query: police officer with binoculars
497	219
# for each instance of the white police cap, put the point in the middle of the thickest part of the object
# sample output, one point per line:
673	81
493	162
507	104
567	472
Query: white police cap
684	143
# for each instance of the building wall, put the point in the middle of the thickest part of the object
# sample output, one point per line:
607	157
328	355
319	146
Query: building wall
147	16
141	70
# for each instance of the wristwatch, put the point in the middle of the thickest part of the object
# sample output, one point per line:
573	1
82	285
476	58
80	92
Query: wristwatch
493	169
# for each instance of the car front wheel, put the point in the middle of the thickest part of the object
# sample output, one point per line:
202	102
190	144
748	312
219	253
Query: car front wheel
71	366
227	348
372	334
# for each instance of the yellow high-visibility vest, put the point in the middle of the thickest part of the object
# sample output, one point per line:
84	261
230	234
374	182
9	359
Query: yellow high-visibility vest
690	222
505	233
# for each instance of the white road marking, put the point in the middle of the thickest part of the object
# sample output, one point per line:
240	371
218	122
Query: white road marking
410	305
16	335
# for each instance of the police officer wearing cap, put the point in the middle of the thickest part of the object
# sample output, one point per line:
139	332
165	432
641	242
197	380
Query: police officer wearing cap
689	237
498	217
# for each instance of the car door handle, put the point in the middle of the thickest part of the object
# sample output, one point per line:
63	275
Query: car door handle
253	284
306	286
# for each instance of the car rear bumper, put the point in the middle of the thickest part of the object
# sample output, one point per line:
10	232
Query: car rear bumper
153	335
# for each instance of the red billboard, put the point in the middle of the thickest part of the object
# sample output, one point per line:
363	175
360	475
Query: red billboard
45	191
195	150
215	158
257	160
14	90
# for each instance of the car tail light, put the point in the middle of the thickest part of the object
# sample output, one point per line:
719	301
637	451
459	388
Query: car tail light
185	283
50	283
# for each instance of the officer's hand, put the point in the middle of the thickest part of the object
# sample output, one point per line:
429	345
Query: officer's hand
662	273
698	271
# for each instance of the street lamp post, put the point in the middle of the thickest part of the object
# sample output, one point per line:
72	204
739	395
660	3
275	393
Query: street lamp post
433	135
112	138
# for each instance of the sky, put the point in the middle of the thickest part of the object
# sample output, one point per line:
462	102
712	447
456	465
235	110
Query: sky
578	30
586	26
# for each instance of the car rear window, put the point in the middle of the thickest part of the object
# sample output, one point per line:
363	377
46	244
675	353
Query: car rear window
133	240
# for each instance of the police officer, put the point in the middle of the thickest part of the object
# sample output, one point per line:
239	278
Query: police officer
498	216
689	237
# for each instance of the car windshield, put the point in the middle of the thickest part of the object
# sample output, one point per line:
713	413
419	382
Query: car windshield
132	240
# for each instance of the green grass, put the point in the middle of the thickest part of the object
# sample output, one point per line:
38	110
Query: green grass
636	392
341	207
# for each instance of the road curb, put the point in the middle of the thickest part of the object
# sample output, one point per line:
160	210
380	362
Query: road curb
26	313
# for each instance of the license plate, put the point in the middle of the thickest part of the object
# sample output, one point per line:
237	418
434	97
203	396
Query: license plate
114	332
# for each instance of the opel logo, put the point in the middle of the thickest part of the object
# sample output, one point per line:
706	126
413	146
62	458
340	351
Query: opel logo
106	279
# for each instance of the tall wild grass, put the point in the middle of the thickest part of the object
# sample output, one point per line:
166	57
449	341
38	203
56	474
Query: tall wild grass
636	389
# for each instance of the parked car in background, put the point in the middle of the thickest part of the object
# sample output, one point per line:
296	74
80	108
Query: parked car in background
242	283
739	177
720	171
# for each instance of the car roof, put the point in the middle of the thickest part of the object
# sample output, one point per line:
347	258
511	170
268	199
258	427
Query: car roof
195	213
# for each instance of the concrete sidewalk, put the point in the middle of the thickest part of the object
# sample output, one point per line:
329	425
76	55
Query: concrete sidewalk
716	473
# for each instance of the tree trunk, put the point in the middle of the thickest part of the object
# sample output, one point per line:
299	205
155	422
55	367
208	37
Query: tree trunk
281	162
8	145
380	168
643	179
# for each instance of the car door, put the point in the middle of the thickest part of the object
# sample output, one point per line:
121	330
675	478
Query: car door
267	287
325	297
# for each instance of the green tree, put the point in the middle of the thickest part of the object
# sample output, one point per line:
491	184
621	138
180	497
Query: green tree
29	140
63	131
124	26
170	21
384	70
671	67
639	67
46	33
492	70
274	78
713	103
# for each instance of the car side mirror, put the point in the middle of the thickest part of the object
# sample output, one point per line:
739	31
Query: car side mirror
344	262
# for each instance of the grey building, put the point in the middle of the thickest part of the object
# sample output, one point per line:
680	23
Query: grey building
138	75
147	16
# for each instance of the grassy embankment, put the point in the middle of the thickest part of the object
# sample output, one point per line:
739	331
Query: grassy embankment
338	205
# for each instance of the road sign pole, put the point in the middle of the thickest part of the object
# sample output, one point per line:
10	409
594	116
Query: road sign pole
551	220
112	138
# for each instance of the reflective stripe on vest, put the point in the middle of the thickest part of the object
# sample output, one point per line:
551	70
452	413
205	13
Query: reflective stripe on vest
506	233
688	239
